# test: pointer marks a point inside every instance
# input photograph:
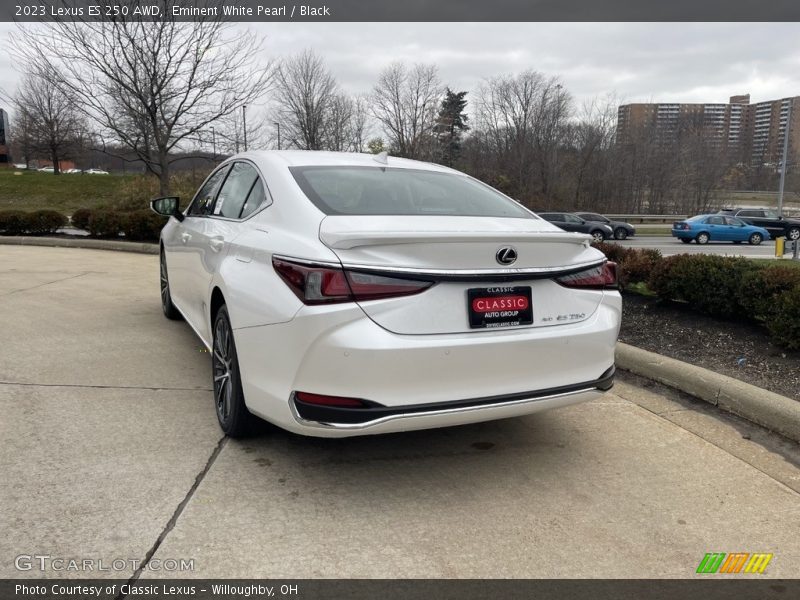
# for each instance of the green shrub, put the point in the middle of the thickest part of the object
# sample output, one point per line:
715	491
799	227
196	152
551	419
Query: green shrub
13	222
80	218
142	225
708	283
637	265
44	221
762	287
105	222
783	322
613	252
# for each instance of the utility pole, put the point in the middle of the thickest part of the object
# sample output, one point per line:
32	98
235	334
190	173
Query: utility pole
244	124
278	125
214	143
785	164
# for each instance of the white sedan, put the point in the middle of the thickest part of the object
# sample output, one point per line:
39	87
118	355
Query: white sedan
347	294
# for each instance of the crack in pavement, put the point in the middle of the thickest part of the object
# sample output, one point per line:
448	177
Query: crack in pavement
176	515
107	387
46	283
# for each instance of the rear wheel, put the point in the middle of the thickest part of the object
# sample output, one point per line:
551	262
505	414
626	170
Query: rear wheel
620	233
166	298
755	239
702	238
793	233
686	240
232	414
598	235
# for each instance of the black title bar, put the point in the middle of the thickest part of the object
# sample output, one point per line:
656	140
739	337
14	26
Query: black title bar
405	10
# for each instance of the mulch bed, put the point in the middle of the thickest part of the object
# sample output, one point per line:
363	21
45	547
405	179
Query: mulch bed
737	349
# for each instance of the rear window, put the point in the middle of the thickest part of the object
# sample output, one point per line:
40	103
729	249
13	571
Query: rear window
386	191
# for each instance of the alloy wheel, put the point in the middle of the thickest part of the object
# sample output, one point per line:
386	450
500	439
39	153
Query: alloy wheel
164	282
793	233
222	361
598	236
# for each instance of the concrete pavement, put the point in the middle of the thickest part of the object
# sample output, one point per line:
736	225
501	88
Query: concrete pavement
112	451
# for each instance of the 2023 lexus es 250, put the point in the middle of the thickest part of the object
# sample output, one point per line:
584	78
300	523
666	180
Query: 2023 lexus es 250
347	294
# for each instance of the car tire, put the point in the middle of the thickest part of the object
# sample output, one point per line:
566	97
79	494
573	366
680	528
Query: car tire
598	235
167	306
686	240
755	239
793	233
702	238
620	233
234	418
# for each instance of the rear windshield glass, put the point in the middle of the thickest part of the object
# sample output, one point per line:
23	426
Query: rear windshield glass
385	191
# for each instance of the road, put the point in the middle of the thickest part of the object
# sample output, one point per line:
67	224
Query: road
669	246
111	451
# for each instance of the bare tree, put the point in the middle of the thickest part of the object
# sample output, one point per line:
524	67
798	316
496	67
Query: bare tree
150	86
48	120
521	120
305	93
405	102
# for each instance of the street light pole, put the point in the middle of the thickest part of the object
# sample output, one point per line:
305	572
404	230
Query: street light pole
244	124
278	125
214	143
785	164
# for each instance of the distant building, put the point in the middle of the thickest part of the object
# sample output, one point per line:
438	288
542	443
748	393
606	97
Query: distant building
754	132
5	157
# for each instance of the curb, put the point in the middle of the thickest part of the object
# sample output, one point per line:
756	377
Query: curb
138	247
768	409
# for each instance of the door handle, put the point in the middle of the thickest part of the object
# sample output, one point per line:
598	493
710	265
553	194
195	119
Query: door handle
216	243
185	237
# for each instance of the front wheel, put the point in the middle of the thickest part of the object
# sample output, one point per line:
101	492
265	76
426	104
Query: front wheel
755	239
232	414
620	233
702	238
598	236
166	298
793	233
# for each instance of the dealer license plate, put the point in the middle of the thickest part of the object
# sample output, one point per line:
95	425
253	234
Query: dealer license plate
499	306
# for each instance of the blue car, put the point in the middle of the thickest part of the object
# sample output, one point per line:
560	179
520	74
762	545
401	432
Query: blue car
718	228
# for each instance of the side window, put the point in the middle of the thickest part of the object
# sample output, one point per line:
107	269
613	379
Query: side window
715	221
771	214
232	196
572	219
204	199
749	213
256	199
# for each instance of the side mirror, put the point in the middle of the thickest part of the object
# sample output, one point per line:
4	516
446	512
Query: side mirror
168	206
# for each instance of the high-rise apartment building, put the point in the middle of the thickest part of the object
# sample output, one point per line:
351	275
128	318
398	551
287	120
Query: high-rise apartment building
753	132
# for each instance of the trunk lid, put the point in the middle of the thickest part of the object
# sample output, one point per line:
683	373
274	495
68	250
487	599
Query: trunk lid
460	254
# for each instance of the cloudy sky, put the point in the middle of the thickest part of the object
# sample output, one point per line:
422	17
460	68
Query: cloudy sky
680	62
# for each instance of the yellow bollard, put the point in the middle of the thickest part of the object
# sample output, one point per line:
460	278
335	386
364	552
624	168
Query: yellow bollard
779	246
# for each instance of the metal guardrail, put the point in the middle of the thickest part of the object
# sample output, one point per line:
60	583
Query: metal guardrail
668	219
655	219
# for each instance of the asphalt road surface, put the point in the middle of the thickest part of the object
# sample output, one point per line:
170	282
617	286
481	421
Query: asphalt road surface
671	245
110	450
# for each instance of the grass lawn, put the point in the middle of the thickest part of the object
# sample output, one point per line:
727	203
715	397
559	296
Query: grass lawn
31	190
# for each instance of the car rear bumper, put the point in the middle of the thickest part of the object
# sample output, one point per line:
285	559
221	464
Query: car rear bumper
416	378
382	419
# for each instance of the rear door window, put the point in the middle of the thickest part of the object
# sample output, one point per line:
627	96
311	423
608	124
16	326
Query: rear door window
235	190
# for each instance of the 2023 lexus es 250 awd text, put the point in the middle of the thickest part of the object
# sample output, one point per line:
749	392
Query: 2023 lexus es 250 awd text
346	294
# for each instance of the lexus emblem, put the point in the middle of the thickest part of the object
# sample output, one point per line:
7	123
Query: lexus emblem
506	255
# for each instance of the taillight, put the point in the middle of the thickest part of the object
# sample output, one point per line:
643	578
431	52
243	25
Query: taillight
602	277
327	285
